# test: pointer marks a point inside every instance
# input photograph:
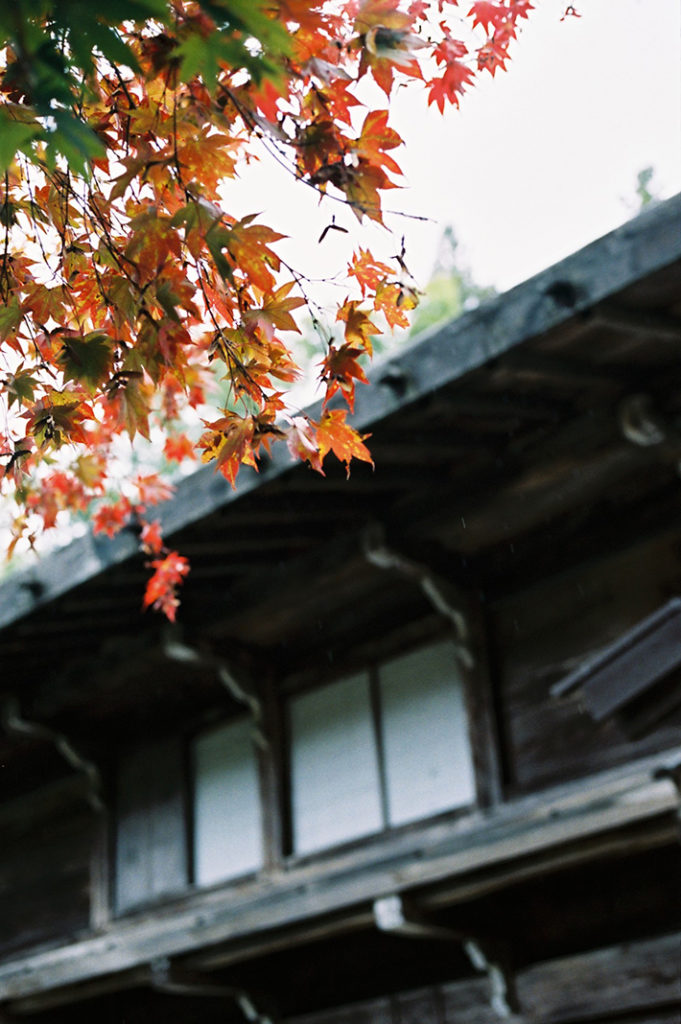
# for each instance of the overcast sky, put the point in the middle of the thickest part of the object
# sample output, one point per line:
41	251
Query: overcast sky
535	164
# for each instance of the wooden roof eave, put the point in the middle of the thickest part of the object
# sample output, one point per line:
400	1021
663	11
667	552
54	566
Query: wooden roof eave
582	282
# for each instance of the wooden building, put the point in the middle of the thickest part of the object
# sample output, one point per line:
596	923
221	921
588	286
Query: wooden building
413	752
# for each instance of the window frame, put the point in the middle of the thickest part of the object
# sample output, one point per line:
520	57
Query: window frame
290	856
273	766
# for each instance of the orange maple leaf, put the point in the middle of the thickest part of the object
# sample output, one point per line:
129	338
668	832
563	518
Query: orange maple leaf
229	441
301	440
337	436
358	326
151	539
161	589
340	370
368	271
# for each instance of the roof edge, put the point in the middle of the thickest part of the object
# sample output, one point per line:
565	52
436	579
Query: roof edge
605	266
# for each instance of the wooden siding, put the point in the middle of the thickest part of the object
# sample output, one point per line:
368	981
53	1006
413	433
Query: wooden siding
599	986
151	841
543	634
45	874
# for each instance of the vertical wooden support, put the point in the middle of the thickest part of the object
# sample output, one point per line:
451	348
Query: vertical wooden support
482	716
100	879
272	779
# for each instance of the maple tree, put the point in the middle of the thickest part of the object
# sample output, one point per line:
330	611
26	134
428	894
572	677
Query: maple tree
123	275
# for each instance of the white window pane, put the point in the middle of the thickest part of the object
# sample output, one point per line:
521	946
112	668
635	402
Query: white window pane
425	735
227	821
334	771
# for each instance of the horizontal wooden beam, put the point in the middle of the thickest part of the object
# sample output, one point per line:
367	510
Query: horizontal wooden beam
650	324
547	825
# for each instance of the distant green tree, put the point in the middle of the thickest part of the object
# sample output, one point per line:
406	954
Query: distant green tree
645	195
451	289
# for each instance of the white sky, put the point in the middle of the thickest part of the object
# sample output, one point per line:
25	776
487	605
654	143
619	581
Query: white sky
536	163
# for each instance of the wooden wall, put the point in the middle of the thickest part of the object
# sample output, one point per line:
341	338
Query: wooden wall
542	634
45	863
607	985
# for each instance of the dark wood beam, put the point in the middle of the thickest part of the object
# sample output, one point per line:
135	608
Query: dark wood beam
650	324
553	825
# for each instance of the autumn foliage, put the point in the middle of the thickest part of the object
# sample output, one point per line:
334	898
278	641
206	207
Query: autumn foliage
124	278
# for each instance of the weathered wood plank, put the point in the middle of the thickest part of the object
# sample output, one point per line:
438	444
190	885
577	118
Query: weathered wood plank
640	976
535	827
482	718
544	633
590	986
45	877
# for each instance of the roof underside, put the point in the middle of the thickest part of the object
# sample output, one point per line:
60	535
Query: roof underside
501	451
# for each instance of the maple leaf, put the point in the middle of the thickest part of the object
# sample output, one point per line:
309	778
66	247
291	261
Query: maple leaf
387	41
358	326
11	316
450	85
393	300
275	312
337	436
248	246
152	489
112	517
151	540
229	441
340	370
179	448
486	14
301	440
20	386
59	417
90	470
86	360
161	590
375	138
129	401
368	271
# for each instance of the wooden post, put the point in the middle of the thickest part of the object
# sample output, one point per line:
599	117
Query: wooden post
271	775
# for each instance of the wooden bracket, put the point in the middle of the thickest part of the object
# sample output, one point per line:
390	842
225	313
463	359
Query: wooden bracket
177	650
166	978
379	554
15	724
392	915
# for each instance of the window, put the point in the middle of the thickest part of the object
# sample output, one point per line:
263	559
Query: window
227	832
375	750
379	749
335	785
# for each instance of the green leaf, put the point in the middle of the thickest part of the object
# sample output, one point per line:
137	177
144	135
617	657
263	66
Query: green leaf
20	387
15	136
217	239
238	21
168	300
75	140
87	360
10	317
